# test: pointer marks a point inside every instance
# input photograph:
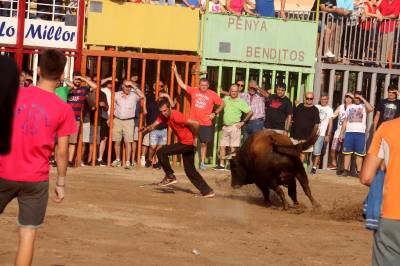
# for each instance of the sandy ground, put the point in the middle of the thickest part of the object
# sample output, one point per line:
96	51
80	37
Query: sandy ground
119	217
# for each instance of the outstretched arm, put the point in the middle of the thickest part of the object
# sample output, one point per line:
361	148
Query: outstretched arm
150	128
91	84
179	79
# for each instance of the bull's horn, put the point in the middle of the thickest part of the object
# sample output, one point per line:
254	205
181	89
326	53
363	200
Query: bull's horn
229	156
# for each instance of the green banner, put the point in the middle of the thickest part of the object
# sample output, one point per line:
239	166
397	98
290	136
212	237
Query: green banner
258	39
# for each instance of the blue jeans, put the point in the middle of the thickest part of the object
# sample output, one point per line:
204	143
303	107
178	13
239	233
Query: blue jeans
252	127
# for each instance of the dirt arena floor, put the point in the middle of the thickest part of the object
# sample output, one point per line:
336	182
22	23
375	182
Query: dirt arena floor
120	217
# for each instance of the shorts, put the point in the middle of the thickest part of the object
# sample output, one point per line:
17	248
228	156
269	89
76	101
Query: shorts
73	138
206	134
136	132
32	200
319	145
386	246
336	145
146	140
88	137
104	129
354	142
296	141
158	137
86	132
123	129
230	136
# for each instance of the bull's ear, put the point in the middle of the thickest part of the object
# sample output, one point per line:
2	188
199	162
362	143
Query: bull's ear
289	150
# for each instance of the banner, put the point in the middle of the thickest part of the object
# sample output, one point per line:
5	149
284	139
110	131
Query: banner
258	39
39	33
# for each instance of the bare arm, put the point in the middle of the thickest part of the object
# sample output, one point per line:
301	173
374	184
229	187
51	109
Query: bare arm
69	83
343	129
288	124
187	4
264	93
376	120
247	117
91	84
368	106
165	95
62	162
223	92
179	79
150	128
282	13
336	113
248	11
370	166
329	130
103	81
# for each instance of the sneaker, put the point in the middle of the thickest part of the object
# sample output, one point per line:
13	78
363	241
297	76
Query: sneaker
209	195
313	170
219	167
71	164
332	167
157	166
329	54
53	163
83	164
147	164
127	165
168	180
202	166
345	173
100	163
143	161
116	163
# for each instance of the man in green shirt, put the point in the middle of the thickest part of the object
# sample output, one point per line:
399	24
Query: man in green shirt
62	92
231	131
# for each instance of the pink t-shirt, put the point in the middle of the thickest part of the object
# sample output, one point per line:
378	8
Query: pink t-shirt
39	116
202	104
237	5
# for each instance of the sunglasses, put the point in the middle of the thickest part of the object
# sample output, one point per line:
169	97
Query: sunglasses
127	86
309	98
240	85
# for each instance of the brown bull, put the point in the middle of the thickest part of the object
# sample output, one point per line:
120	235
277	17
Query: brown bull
269	160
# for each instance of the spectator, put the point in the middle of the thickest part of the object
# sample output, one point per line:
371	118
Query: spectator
387	109
62	92
305	118
186	130
192	3
266	8
203	101
9	81
123	124
255	99
76	99
385	149
239	83
353	132
387	10
231	131
24	171
104	121
340	113
368	27
237	7
216	7
278	111
325	130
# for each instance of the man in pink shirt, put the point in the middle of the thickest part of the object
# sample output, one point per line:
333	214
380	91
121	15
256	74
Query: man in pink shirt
39	116
203	101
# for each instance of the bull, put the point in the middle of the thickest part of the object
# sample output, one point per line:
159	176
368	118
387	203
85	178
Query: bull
270	160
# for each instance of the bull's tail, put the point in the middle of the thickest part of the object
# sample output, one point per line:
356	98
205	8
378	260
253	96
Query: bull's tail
310	141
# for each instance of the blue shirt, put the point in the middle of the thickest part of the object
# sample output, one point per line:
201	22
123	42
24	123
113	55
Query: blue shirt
265	8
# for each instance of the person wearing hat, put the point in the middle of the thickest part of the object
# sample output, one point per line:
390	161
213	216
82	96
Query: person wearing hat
388	108
340	113
353	132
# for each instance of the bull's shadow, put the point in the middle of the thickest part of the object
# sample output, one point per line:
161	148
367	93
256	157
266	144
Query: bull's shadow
274	200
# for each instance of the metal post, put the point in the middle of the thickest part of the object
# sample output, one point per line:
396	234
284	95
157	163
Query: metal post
140	136
80	32
233	79
67	66
345	83
387	83
359	81
114	70
298	88
273	81
216	131
71	65
246	82
35	67
260	77
372	98
20	33
309	82
97	113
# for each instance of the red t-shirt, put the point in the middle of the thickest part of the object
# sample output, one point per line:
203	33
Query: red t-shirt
39	116
177	122
388	9
203	104
366	25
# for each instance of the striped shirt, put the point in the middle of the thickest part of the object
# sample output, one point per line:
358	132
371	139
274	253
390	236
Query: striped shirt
256	103
76	99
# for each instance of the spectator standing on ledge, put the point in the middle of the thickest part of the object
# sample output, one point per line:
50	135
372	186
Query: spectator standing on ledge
325	130
278	111
123	124
237	7
305	119
203	101
353	132
24	172
266	8
186	131
231	131
255	99
340	113
76	99
385	147
388	108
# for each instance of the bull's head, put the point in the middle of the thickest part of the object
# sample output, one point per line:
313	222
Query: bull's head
238	173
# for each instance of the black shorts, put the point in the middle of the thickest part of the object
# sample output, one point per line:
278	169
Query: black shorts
206	134
104	129
32	200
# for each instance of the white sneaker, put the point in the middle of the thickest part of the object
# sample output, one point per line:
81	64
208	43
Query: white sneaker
142	161
329	54
116	163
127	165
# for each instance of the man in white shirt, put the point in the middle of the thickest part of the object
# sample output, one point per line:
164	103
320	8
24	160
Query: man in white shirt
353	131
325	130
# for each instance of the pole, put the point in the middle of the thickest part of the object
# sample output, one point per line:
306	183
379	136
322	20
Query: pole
20	33
80	32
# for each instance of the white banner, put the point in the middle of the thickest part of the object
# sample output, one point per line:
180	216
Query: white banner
39	33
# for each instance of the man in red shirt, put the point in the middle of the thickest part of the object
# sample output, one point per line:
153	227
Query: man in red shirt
202	105
186	131
39	116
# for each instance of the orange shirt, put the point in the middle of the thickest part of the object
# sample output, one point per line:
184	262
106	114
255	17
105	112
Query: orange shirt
386	145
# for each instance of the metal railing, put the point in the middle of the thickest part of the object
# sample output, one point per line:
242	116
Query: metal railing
359	40
51	10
